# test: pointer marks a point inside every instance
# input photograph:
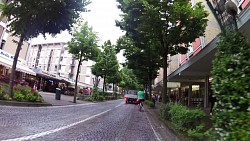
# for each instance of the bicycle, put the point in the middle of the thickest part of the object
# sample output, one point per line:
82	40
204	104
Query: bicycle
140	105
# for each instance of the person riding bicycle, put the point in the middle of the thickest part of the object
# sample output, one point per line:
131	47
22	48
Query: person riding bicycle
140	97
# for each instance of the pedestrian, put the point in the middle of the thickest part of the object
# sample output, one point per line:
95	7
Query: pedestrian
153	99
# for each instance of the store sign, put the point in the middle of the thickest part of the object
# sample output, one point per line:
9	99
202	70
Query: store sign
10	57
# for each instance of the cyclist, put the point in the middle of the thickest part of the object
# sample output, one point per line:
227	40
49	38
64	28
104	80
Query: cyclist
140	97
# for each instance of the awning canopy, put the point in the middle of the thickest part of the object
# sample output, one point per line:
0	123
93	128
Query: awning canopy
159	85
19	67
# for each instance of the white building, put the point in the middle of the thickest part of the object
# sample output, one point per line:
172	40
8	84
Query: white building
54	58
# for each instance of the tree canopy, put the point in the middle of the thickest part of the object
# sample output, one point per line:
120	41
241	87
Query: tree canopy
83	46
173	24
107	65
29	18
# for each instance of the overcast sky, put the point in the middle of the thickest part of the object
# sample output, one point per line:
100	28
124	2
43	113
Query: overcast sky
101	17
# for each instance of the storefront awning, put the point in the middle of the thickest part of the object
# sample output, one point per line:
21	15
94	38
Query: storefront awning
19	67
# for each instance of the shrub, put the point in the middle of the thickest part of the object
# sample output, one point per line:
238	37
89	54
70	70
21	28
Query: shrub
164	111
7	97
31	97
149	103
184	118
24	91
1	93
18	96
197	132
230	85
88	98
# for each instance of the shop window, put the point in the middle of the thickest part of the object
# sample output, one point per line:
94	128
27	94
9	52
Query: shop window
2	44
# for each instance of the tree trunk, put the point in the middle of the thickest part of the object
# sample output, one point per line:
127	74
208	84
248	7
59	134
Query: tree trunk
104	83
13	70
77	73
150	84
164	94
113	89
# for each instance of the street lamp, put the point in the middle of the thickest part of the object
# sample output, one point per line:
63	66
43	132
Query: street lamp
230	8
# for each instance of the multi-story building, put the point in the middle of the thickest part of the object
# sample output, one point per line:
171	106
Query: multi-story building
193	71
53	58
8	49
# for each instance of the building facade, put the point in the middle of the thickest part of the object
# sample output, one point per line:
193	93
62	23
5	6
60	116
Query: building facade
54	58
194	68
8	49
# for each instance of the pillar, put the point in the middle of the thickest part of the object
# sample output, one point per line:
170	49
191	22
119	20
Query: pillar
206	92
189	94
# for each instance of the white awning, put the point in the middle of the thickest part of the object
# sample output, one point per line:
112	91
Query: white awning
19	67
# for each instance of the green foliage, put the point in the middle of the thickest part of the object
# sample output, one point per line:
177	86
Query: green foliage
171	27
164	110
129	79
18	96
24	91
96	95
1	92
29	18
230	85
149	103
83	46
184	119
31	97
197	132
84	43
42	16
88	98
7	97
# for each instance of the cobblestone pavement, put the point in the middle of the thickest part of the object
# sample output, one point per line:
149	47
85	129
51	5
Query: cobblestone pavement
104	121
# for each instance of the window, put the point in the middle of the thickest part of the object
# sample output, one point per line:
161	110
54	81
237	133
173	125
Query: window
55	67
2	44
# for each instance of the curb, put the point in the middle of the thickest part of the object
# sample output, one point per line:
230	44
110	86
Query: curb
23	104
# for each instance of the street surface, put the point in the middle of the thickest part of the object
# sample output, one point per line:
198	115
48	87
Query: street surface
104	121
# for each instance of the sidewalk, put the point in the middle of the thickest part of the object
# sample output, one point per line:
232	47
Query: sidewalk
166	133
65	99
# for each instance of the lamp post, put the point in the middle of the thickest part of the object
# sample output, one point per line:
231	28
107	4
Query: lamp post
230	8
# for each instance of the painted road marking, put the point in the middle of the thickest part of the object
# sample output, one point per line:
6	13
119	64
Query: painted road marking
54	130
157	136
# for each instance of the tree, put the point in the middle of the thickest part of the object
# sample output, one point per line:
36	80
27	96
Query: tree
144	62
29	18
84	46
230	85
107	65
173	24
129	80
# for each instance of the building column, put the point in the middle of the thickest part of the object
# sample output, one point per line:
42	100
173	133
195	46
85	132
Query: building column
206	92
179	95
189	94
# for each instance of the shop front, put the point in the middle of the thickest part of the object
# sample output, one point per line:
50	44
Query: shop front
22	71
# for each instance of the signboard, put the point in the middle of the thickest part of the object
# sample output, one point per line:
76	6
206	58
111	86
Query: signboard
10	57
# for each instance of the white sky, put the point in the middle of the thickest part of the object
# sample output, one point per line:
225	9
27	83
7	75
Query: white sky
101	17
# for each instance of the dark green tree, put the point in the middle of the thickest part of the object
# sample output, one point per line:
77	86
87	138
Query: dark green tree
173	24
29	18
230	85
107	64
144	62
129	80
83	46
